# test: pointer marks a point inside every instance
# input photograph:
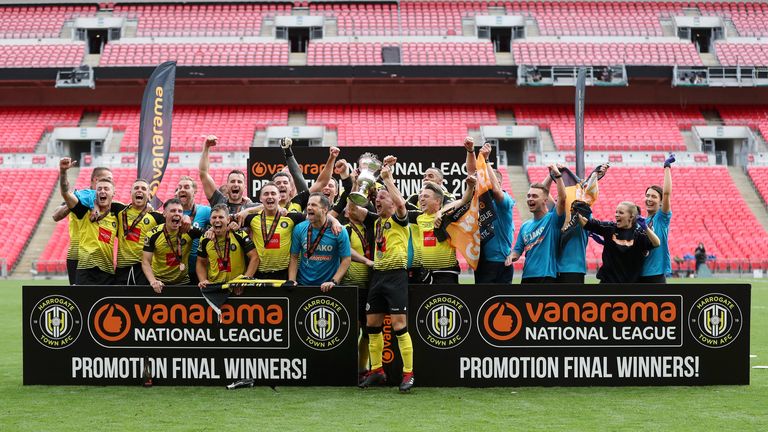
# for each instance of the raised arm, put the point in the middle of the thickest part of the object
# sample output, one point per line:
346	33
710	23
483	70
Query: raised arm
209	185
69	198
389	183
560	189
293	167
667	190
498	193
325	175
469	146
60	213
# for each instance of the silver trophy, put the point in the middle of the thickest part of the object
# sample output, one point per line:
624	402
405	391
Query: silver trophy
365	181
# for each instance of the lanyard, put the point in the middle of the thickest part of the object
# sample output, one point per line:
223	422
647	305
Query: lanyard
379	233
177	249
311	246
363	240
224	255
135	221
267	236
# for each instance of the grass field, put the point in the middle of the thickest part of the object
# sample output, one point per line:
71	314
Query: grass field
43	408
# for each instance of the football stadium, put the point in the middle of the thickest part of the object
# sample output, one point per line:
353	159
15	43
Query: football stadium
491	215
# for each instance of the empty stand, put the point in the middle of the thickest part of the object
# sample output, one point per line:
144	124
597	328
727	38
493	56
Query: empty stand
234	125
24	22
22	128
195	54
706	207
749	18
411	53
759	176
200	19
754	116
374	125
742	54
597	18
23	196
609	53
41	55
611	128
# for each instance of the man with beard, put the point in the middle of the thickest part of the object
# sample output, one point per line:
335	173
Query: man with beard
298	201
167	249
271	231
235	198
318	257
388	292
230	254
657	264
97	229
199	217
87	197
539	237
134	222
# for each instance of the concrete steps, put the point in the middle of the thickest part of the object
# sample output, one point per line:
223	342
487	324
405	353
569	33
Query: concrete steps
518	178
504	59
330	138
297	59
89	119
709	59
748	192
113	145
297	118
547	142
691	145
42	234
506	117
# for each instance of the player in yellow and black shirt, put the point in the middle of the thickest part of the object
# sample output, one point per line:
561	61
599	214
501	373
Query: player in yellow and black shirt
98	227
228	255
431	243
167	249
272	232
133	225
86	196
388	291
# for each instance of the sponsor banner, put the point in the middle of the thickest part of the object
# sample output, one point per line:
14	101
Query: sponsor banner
114	335
155	127
488	336
264	162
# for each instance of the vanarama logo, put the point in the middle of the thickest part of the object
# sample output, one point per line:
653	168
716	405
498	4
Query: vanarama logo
715	320
581	320
56	322
322	323
261	169
443	321
187	322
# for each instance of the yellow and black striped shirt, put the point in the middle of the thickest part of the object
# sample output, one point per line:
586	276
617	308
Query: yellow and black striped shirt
96	239
275	253
434	253
391	243
130	242
220	270
165	262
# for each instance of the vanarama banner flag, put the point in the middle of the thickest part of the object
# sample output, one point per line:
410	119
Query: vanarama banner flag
155	127
471	225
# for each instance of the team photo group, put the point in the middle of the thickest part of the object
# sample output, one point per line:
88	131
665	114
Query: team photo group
352	226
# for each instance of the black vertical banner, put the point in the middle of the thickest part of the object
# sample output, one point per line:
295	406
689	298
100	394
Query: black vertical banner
581	89
155	126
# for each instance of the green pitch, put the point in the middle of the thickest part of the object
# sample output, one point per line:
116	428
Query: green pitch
41	408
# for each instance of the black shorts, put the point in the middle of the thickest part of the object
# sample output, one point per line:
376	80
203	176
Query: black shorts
445	276
362	298
652	279
279	275
570	278
94	276
72	271
388	292
131	275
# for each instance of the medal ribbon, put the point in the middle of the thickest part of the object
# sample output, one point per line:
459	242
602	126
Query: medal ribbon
176	250
366	247
267	237
135	221
225	254
312	246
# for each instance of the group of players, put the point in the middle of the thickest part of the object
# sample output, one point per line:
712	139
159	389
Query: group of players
314	235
